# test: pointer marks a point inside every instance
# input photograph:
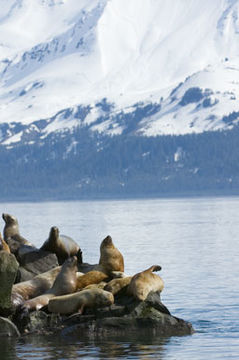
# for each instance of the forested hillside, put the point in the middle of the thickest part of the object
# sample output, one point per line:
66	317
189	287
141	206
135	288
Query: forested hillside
82	164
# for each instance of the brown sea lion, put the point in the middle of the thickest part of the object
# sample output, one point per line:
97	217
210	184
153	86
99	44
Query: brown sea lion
142	283
3	245
118	274
91	298
32	288
11	233
92	277
65	283
111	258
63	246
115	285
101	285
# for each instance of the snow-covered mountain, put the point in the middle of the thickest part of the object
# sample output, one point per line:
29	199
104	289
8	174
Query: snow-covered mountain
144	66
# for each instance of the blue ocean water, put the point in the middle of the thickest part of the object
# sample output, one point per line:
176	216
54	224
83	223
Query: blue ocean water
195	240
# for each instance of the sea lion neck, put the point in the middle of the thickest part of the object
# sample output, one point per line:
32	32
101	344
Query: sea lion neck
54	233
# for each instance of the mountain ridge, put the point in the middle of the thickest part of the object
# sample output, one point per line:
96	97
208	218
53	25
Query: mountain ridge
145	52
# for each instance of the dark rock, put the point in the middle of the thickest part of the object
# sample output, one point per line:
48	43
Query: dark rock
36	321
23	250
41	321
154	300
111	311
76	319
192	95
144	321
116	320
8	271
127	315
153	322
7	328
85	267
34	261
23	275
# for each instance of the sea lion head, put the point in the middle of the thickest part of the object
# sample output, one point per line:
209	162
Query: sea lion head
104	298
9	219
71	262
54	233
107	242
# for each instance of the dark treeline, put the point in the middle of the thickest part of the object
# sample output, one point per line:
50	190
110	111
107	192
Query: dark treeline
82	164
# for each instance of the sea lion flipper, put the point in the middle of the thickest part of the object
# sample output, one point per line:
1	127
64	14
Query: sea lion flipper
79	256
81	309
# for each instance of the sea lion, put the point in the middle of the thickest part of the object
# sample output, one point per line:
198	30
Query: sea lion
142	283
32	288
63	246
91	298
65	283
92	277
115	285
101	285
11	233
3	245
111	258
118	274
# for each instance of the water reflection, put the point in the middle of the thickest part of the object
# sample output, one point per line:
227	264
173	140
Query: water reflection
8	349
49	348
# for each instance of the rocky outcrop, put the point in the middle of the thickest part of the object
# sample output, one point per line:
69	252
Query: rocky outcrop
149	317
7	328
8	271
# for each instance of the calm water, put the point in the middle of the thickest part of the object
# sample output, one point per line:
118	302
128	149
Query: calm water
194	240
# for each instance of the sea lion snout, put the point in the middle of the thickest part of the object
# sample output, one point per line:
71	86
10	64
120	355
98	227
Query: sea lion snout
107	240
107	300
54	232
9	219
72	261
54	229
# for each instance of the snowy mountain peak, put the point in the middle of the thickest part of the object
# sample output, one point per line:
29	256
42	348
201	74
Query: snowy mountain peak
154	66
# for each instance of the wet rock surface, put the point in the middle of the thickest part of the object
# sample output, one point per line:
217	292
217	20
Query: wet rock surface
34	261
7	328
8	272
126	315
